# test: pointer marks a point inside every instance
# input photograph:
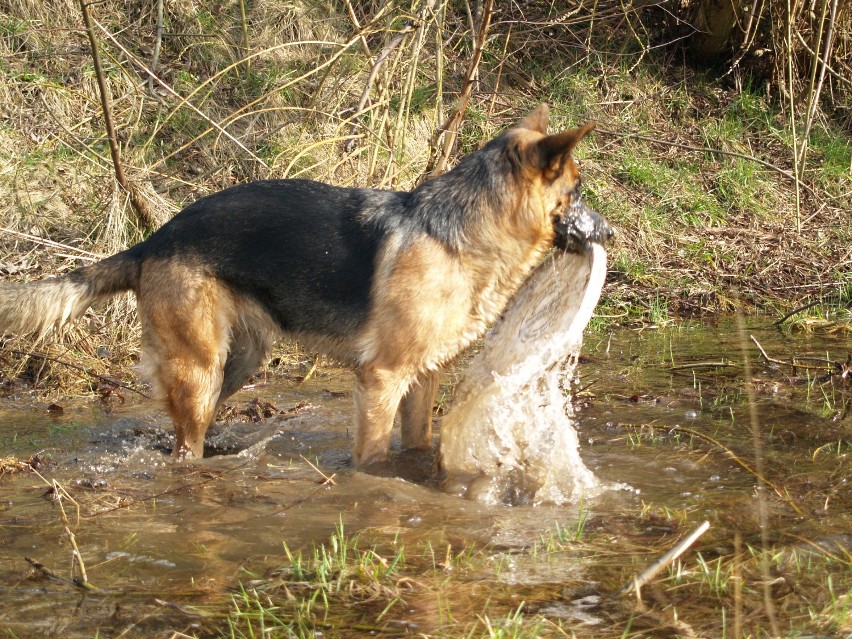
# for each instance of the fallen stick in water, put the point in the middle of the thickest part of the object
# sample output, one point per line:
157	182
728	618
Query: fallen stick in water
651	571
797	362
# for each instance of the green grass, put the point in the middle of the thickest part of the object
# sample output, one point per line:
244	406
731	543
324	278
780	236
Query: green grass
830	159
562	535
345	588
742	188
624	262
315	588
512	626
678	192
831	312
341	589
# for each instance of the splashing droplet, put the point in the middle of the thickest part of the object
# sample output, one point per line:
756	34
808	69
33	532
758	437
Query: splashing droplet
509	436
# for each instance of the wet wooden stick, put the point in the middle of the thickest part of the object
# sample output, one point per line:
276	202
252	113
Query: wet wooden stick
763	352
328	480
82	580
797	310
46	572
720	364
77	563
651	571
794	363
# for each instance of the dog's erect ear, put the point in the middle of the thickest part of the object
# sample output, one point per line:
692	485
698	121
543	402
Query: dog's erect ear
536	120
552	151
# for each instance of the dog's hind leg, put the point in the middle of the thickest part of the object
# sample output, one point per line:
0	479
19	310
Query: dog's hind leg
378	392
186	319
248	348
415	411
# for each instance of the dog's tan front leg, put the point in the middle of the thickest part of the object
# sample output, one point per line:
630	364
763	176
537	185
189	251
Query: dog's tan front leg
377	396
415	411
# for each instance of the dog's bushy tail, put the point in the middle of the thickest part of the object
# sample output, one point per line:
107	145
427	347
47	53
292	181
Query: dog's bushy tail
37	307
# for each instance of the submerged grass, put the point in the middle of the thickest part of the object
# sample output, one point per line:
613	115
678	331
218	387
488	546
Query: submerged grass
340	589
830	312
795	580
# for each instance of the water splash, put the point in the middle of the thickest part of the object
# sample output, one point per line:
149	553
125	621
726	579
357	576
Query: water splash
509	436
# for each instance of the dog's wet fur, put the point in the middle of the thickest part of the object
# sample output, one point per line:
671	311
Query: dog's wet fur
393	283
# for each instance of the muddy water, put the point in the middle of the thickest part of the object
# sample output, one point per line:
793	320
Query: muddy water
161	541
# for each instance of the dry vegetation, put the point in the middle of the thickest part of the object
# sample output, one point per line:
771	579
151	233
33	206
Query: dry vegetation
703	169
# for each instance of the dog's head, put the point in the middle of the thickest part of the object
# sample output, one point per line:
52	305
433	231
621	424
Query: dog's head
549	164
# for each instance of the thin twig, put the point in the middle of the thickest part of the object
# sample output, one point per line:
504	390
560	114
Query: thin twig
103	378
356	23
245	39
795	311
328	480
836	74
721	364
104	95
797	172
144	210
812	100
77	563
441	151
84	255
365	94
311	370
793	363
44	571
175	94
822	64
676	551
158	41
828	364
763	352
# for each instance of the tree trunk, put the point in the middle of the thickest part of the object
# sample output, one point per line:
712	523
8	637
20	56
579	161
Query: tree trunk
714	21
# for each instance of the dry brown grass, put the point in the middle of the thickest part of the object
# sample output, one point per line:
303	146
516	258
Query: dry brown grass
358	93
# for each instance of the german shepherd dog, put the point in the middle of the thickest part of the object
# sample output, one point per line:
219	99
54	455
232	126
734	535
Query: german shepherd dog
394	283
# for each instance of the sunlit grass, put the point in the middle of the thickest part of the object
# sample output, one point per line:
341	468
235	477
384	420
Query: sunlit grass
336	589
341	589
829	312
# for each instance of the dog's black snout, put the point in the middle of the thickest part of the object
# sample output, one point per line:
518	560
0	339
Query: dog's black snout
580	227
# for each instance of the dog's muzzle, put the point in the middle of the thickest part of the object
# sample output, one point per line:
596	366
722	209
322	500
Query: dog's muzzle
580	227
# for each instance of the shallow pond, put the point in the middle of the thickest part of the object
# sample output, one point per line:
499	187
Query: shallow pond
670	419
